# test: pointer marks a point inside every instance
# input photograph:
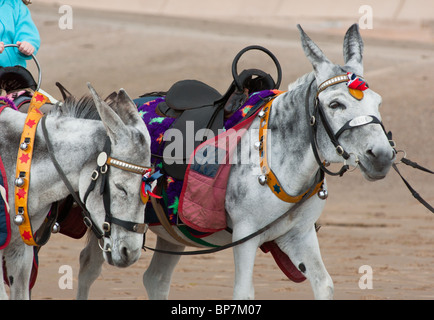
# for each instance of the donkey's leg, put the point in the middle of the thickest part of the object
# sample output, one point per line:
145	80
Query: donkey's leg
91	260
244	259
303	250
19	261
158	276
3	294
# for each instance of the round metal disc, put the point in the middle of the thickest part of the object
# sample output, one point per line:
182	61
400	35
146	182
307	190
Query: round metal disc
102	159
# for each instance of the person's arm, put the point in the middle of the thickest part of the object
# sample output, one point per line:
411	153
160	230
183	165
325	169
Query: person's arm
27	35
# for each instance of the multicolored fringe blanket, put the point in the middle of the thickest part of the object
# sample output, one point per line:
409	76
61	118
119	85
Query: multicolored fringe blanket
157	126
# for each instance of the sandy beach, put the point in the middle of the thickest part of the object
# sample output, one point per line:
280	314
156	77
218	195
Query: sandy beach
377	224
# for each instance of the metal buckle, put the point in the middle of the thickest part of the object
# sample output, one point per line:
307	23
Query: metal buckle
140	227
95	175
87	222
312	121
104	169
106	227
340	150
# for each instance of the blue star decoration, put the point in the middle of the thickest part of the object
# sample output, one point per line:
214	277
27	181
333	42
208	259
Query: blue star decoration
276	188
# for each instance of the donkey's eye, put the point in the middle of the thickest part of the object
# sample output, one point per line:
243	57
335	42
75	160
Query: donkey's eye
335	105
119	187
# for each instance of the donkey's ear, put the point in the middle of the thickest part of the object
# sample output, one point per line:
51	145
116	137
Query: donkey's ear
321	64
111	121
65	93
111	99
127	109
353	50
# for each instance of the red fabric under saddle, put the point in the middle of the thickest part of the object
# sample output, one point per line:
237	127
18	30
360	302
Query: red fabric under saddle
283	261
202	200
72	224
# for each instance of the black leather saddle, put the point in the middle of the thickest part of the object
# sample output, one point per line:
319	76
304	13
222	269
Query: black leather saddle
193	104
197	106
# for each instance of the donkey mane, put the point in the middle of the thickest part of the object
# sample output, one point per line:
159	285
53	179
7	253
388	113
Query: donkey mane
306	78
83	108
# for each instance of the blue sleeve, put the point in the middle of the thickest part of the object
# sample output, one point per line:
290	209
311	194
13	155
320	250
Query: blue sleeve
25	29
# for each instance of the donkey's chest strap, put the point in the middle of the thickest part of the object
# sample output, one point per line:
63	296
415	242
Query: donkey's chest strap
24	161
268	177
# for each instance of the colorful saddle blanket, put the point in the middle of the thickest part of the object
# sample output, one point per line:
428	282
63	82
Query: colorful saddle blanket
171	192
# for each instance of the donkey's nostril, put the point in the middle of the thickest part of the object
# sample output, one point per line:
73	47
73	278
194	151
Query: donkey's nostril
381	154
128	255
370	153
381	158
125	254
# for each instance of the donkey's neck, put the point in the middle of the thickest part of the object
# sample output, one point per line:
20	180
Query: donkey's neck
291	155
76	144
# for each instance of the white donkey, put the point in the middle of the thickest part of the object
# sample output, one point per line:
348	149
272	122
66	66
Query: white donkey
80	148
326	114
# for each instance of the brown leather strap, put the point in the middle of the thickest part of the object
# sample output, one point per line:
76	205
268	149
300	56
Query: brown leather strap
161	215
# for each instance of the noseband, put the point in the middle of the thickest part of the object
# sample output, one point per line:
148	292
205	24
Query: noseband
356	86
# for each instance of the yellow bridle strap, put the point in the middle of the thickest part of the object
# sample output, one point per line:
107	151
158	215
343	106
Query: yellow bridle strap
271	179
24	160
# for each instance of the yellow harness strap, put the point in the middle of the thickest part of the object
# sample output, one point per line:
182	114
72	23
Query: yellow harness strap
271	179
24	160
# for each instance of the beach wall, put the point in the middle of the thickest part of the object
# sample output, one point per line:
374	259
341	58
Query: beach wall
273	11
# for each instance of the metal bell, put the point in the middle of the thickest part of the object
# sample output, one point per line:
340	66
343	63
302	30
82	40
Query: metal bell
257	145
262	179
261	114
323	194
19	182
19	219
24	146
55	228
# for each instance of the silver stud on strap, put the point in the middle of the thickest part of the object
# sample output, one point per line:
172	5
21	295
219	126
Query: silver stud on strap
262	179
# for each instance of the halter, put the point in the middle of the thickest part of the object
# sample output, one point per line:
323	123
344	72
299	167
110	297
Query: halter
22	181
356	86
101	171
